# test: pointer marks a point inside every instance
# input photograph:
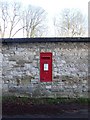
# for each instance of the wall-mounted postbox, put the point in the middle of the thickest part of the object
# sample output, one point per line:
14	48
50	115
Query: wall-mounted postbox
45	66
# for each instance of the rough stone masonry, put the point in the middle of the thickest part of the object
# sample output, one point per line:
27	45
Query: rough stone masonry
21	69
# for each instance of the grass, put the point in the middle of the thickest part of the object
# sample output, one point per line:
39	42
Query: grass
46	100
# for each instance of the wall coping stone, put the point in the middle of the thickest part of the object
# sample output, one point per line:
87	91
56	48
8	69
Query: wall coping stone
44	40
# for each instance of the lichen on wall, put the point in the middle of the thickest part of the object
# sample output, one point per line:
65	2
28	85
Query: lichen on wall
21	69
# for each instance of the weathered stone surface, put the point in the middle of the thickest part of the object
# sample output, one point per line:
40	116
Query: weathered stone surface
21	69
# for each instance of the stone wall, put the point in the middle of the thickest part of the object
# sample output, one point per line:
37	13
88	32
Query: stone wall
21	69
0	71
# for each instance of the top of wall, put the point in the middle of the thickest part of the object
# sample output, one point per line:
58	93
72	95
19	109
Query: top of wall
46	39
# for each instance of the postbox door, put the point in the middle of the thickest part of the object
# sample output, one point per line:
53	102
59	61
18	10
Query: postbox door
46	67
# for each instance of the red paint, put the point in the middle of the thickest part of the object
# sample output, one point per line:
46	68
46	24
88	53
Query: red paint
45	66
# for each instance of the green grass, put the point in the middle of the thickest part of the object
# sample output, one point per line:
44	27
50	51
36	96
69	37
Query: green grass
83	100
46	100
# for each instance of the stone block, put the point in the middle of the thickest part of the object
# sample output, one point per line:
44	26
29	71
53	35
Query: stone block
34	80
5	87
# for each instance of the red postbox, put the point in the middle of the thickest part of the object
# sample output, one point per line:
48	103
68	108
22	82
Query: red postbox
45	66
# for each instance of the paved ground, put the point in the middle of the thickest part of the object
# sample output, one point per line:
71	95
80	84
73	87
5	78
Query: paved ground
81	114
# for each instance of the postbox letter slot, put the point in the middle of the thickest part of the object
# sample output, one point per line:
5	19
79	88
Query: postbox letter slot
45	57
